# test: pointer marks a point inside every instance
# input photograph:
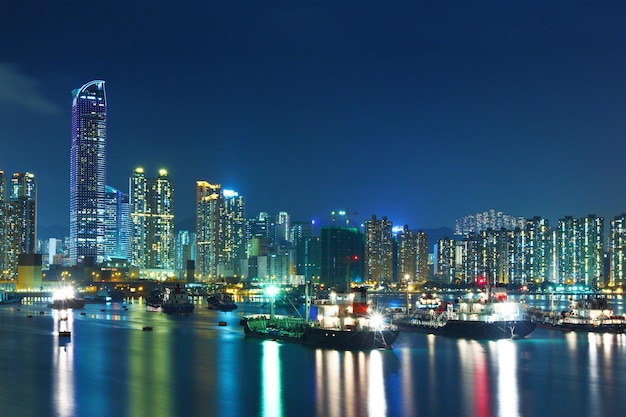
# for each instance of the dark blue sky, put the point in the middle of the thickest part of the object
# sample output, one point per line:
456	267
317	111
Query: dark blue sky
423	111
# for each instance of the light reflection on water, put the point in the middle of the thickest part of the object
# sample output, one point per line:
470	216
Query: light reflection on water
63	363
271	392
189	366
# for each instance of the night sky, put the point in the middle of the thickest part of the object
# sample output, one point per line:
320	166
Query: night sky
421	111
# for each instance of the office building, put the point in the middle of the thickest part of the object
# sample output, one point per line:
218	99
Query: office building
88	172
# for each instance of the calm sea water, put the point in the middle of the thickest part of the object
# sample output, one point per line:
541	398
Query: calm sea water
191	366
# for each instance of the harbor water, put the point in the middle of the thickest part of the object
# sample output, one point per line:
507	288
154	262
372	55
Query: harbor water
193	365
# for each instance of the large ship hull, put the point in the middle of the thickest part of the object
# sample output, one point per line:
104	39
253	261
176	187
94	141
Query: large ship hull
348	339
468	329
177	308
585	327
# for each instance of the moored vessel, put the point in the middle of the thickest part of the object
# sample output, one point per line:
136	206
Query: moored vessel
64	298
342	322
593	313
484	316
221	302
176	300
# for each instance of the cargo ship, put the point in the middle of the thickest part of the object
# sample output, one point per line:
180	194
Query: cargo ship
342	322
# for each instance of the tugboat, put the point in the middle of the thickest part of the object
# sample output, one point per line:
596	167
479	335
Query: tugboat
342	323
490	315
589	314
154	300
176	301
221	302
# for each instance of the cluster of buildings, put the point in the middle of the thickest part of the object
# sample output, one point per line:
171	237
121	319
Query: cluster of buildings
129	234
122	235
513	250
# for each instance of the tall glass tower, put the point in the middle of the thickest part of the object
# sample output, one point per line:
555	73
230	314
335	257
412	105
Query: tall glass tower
88	172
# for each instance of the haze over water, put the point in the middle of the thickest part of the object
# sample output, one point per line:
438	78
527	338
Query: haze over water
191	366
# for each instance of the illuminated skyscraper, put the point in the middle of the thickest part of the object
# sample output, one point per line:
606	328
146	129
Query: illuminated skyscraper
220	237
18	221
117	225
412	255
592	250
23	196
378	250
152	218
617	250
88	172
207	227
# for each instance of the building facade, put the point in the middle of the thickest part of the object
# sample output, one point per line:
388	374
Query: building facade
88	172
18	221
117	228
379	254
220	232
152	220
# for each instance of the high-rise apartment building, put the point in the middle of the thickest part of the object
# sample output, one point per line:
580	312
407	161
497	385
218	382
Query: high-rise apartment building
568	241
184	250
445	261
18	221
220	237
341	256
379	250
617	251
23	195
116	225
282	229
412	255
489	219
592	251
88	172
232	233
421	266
407	255
152	218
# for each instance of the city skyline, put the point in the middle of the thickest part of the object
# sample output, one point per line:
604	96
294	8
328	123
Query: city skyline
423	113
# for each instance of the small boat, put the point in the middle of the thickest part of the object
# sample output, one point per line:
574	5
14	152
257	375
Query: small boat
176	301
222	323
65	298
588	314
490	315
147	328
342	322
154	300
221	302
